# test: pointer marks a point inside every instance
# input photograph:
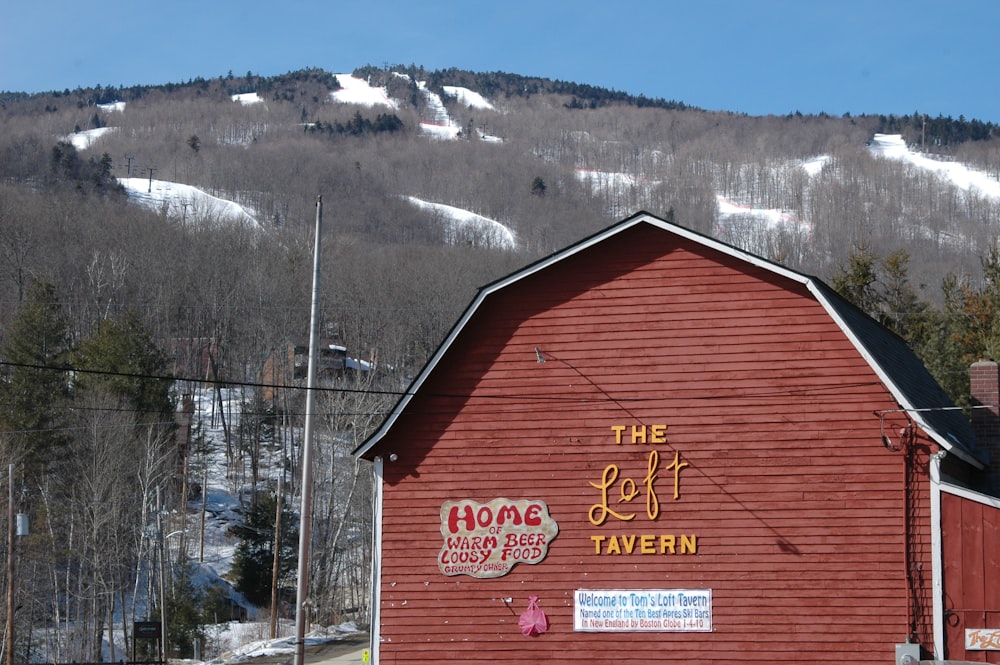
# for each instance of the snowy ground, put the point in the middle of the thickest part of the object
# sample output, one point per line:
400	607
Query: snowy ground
234	641
892	146
184	202
488	232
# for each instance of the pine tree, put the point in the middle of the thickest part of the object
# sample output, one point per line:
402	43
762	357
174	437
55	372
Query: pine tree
538	186
34	383
253	561
122	358
857	281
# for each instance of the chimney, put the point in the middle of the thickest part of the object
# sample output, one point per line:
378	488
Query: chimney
984	384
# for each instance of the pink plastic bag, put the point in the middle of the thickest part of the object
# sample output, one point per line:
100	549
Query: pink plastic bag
533	620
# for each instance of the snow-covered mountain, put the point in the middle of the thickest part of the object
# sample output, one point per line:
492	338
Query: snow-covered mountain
188	203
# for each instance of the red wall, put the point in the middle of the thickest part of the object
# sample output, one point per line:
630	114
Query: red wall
797	507
971	536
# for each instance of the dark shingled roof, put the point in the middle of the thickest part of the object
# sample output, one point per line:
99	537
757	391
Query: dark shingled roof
925	399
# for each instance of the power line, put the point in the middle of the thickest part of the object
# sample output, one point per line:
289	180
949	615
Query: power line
575	398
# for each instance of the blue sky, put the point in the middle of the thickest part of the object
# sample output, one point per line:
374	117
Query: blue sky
759	57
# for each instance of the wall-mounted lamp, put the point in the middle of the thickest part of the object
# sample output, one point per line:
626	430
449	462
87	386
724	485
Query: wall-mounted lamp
538	355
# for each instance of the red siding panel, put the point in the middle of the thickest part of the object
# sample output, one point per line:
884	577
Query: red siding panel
797	506
971	551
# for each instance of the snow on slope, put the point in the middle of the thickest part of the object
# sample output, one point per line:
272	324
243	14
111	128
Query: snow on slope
892	146
815	164
728	211
604	180
356	91
184	202
442	125
486	232
247	98
467	97
771	218
86	138
439	125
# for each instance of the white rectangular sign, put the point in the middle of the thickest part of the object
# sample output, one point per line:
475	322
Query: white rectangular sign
656	610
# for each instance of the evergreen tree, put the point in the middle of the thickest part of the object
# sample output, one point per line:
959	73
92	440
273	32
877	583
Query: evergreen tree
190	607
971	313
34	382
881	287
857	281
538	186
253	562
122	358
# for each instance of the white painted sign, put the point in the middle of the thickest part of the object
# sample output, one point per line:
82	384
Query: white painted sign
654	610
982	639
488	539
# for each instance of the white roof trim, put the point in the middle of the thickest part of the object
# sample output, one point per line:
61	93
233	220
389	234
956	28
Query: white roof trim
971	495
911	410
937	556
375	632
644	218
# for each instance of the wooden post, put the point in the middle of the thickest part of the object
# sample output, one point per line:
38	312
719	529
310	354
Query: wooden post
277	555
305	513
10	565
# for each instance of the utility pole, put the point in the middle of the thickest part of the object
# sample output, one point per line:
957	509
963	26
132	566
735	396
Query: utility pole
10	565
22	530
302	603
163	597
276	563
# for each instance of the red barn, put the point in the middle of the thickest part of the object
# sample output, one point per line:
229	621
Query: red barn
652	447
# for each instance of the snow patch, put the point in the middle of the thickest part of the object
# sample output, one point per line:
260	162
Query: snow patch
467	97
892	146
488	138
86	138
815	164
605	180
287	645
772	218
356	91
112	107
446	132
247	98
184	202
488	232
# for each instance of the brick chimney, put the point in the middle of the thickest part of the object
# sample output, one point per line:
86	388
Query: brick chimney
984	383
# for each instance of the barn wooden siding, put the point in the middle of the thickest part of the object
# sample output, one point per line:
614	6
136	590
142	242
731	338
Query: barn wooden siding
970	533
797	506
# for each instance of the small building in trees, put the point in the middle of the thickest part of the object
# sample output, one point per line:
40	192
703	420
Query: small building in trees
287	364
652	446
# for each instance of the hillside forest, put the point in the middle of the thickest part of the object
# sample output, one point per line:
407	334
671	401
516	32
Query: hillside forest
113	315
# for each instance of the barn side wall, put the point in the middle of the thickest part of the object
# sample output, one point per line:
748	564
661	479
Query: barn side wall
769	458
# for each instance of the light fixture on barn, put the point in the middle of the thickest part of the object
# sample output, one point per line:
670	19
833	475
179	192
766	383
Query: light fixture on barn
904	436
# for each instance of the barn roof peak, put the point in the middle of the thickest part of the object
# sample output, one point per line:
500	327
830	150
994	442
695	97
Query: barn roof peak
903	374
